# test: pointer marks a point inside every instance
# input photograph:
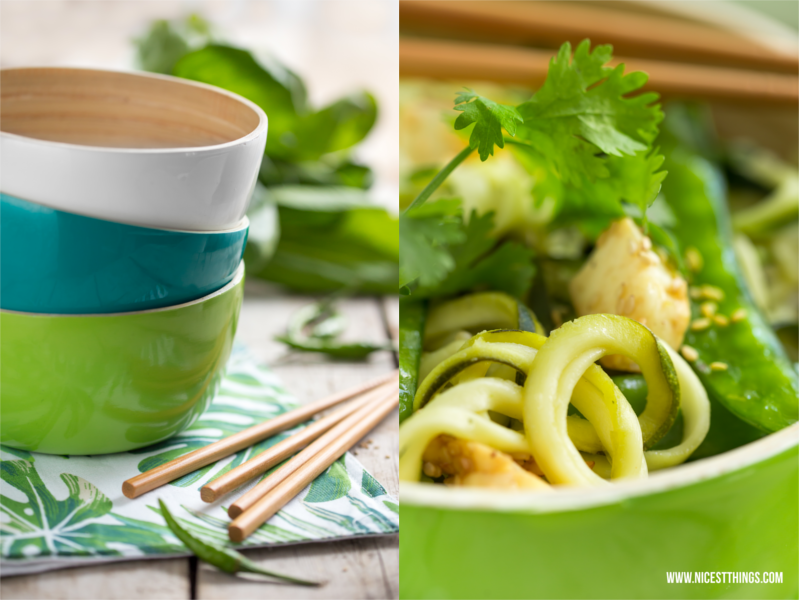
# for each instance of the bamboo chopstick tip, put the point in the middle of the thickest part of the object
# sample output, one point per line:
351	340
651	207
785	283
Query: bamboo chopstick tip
236	533
234	511
207	494
129	490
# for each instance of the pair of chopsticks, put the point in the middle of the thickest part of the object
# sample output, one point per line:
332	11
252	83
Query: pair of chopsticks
633	33
324	441
438	59
683	59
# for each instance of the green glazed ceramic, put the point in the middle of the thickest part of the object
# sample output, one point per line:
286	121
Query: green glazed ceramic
733	512
95	384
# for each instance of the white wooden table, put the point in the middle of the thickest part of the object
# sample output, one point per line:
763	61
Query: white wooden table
365	568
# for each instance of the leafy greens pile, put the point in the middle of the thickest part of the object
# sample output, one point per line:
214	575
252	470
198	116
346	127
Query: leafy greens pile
332	237
585	139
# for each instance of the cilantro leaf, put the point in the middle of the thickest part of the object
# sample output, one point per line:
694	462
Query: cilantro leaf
425	233
583	111
489	118
480	261
587	141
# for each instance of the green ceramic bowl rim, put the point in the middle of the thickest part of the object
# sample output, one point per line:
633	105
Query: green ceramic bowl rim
572	499
237	277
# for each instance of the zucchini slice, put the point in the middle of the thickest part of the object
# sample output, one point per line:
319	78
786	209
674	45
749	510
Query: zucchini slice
475	351
475	312
561	364
696	415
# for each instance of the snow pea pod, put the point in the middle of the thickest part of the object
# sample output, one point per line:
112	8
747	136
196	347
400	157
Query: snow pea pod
759	384
413	315
224	559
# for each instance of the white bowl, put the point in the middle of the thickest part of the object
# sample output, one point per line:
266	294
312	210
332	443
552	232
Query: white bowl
134	148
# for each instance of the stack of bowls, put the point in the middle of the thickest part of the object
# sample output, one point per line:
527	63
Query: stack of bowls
122	231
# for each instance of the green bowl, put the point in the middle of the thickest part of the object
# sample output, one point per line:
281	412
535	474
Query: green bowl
95	384
735	512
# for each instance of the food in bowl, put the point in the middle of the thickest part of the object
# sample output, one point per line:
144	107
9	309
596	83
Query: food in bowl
496	397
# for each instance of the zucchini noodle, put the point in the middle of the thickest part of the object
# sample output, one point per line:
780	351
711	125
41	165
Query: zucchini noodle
511	390
696	417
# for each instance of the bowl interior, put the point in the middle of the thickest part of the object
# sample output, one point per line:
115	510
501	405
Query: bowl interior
119	110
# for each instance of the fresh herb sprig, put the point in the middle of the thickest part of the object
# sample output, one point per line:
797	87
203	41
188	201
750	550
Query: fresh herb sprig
223	558
316	328
583	130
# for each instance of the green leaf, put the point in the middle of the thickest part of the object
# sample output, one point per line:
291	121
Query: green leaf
332	239
330	485
425	233
23	454
296	131
480	261
382	522
489	118
336	127
370	486
354	525
166	42
264	231
277	90
583	109
78	525
341	350
393	507
225	559
327	171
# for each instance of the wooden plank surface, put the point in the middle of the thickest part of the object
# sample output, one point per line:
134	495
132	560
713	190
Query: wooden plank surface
154	579
366	568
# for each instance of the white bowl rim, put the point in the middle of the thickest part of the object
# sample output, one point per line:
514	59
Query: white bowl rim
565	499
238	275
242	225
254	134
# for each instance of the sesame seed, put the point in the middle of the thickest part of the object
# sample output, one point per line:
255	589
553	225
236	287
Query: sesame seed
695	293
721	320
700	324
693	259
718	366
708	309
689	353
738	315
646	243
711	292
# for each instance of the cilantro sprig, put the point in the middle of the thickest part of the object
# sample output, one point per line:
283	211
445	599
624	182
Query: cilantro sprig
583	128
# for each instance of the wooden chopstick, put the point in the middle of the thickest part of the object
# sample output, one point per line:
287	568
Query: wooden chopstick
507	64
633	34
136	486
272	456
339	439
329	439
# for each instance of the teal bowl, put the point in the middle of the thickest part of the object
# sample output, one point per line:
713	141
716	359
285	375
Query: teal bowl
57	262
102	383
733	513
